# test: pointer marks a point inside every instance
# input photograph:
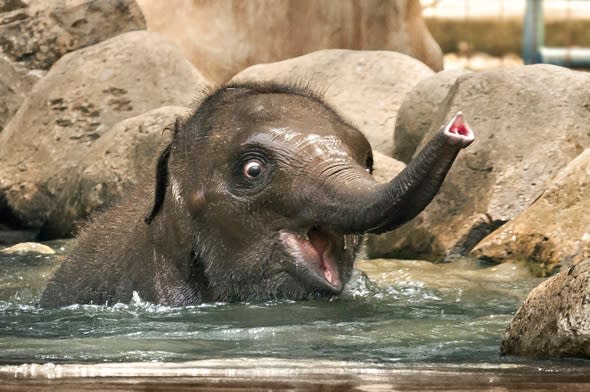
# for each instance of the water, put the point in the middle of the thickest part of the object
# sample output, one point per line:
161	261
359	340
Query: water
394	312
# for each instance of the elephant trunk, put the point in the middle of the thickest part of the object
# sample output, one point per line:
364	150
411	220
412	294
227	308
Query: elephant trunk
365	206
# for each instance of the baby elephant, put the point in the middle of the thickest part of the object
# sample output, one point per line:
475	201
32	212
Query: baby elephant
264	192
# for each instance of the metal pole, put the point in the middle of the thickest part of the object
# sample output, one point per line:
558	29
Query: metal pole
533	32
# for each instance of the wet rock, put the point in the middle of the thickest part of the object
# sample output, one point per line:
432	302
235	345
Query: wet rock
366	87
83	95
554	320
37	33
28	248
554	230
15	83
222	38
529	122
414	119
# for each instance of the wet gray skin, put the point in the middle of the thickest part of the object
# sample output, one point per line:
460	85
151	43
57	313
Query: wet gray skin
263	193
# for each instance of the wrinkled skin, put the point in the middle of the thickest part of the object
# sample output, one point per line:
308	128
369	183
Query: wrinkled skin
263	193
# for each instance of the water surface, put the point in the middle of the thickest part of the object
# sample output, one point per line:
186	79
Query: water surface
393	312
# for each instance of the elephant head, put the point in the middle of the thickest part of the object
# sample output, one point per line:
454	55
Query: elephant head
275	190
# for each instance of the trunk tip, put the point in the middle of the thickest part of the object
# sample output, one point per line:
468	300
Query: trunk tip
458	131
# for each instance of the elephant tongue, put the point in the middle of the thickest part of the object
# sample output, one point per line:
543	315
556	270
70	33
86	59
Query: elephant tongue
322	244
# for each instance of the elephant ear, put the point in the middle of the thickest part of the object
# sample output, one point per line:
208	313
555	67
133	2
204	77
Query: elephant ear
161	184
162	174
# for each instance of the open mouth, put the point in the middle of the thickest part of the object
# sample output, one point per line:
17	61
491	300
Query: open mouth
315	257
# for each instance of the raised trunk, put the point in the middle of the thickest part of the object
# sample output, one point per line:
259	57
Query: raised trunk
365	206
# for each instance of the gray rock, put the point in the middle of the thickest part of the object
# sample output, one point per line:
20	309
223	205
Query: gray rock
554	320
414	119
38	33
83	95
222	38
554	230
529	122
366	87
15	83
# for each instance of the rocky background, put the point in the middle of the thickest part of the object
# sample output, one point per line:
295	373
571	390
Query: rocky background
88	87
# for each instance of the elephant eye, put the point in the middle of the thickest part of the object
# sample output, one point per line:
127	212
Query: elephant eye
253	169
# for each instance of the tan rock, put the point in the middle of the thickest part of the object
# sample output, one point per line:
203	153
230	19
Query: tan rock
83	95
385	168
15	83
414	119
529	123
554	320
123	156
554	229
28	248
366	87
37	33
222	37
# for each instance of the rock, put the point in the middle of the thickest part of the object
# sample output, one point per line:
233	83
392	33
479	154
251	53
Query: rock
123	156
28	248
554	230
83	95
38	33
11	5
10	236
529	122
554	320
417	110
15	83
385	168
221	38
366	87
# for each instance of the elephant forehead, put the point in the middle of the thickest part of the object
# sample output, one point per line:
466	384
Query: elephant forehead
308	143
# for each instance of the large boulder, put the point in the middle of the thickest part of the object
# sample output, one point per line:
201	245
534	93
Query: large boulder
417	110
83	95
37	33
223	37
15	83
11	5
529	122
366	87
554	230
554	320
122	157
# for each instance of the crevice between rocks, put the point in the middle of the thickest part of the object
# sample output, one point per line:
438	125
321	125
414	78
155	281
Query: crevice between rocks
478	231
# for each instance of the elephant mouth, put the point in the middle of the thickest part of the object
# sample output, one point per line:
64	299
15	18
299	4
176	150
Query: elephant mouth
316	257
